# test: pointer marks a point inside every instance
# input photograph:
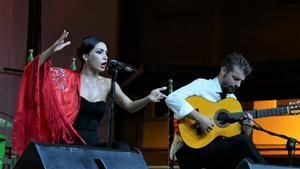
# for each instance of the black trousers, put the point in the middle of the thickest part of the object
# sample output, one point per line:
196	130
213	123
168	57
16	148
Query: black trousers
222	153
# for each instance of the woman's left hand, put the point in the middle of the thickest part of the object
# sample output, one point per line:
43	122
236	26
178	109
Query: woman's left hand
156	95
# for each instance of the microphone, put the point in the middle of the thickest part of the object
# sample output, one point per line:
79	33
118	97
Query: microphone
122	66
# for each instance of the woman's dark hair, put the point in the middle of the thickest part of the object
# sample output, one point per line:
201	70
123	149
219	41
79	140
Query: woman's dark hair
237	59
86	45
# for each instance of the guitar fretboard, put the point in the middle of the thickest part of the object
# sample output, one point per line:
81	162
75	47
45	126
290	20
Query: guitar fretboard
263	113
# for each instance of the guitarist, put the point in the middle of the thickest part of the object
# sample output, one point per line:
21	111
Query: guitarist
222	152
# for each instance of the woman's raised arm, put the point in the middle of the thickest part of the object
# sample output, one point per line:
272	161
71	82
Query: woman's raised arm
57	46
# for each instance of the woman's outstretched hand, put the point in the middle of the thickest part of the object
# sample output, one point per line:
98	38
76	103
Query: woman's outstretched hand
156	95
57	46
60	43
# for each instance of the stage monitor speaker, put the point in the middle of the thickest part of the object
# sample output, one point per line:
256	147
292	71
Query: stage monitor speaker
245	164
50	156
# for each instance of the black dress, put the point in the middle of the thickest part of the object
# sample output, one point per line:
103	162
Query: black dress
88	120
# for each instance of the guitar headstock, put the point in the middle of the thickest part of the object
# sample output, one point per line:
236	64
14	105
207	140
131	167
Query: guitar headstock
294	107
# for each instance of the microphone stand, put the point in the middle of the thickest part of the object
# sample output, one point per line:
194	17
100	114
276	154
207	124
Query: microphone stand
290	144
171	127
114	72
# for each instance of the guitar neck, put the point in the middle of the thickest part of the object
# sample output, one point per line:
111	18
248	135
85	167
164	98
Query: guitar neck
264	112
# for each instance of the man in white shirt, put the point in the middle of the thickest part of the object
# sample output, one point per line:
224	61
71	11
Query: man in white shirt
222	152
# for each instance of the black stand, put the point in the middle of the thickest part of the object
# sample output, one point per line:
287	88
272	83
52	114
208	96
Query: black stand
171	126
290	144
114	73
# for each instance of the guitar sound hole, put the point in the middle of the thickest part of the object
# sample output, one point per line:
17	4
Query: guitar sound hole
222	118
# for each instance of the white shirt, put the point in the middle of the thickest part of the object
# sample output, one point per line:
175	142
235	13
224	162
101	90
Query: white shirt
208	89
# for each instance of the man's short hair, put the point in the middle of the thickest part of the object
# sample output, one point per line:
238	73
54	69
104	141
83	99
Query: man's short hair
236	59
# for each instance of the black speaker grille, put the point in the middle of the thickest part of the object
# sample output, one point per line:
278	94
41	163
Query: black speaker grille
48	156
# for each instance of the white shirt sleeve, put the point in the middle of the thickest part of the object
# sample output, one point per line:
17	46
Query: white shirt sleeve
176	101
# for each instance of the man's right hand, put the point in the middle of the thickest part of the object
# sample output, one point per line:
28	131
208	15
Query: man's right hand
205	124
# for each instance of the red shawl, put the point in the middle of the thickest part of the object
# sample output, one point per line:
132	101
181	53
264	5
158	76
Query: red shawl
47	106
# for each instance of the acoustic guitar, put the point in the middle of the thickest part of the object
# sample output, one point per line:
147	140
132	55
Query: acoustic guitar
220	112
